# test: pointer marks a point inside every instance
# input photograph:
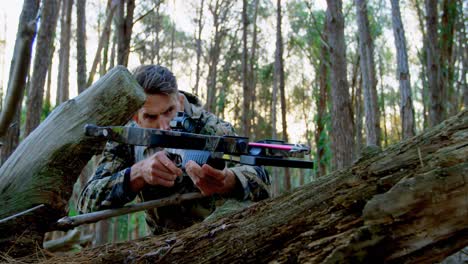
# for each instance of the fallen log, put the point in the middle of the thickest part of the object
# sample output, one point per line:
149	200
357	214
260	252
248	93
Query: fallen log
47	163
406	204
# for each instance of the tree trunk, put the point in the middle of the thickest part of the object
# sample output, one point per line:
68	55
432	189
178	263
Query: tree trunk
44	49
11	139
247	94
279	79
219	11
359	118
81	44
45	166
173	24
383	105
403	75
464	58
366	50
436	103
252	70
19	68
103	39
199	46
423	61
322	99
124	30
406	204
156	48
447	62
64	52
342	130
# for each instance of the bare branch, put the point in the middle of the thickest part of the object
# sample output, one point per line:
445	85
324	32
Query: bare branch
67	223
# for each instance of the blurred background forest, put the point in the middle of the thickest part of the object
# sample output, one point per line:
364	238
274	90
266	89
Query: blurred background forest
344	77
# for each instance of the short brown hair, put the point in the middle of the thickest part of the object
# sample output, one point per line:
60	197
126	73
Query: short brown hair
156	79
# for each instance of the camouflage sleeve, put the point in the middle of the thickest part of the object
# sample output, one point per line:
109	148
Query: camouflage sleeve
108	187
253	181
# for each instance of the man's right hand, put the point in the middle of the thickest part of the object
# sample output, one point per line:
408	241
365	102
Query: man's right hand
155	170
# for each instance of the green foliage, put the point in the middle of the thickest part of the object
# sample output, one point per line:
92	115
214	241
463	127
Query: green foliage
306	29
145	40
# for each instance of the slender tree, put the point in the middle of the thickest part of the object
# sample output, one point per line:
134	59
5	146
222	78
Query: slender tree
382	104
252	78
436	105
447	60
423	61
198	40
64	52
322	99
2	60
220	10
19	67
403	75
19	70
366	50
463	50
246	116
173	31
342	130
280	83
44	48
124	29
81	44
111	8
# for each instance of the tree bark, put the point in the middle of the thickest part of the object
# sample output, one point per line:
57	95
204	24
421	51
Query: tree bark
247	115
423	61
45	166
322	99
44	49
19	68
81	44
369	81
436	103
342	132
124	30
64	52
279	79
407	204
447	60
403	75
252	70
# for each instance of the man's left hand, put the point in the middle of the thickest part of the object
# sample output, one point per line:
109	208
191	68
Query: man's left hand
210	180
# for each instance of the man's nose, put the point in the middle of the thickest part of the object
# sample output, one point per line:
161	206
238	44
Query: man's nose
164	124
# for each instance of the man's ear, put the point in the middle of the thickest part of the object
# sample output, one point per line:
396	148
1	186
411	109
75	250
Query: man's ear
181	102
135	117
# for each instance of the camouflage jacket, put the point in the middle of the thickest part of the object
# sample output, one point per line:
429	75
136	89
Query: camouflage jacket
109	186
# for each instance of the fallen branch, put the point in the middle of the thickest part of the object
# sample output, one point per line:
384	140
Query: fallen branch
25	212
70	222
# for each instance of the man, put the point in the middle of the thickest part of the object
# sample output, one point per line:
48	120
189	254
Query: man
127	171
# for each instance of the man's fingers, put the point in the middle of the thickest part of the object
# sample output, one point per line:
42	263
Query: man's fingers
162	182
167	164
155	173
194	171
215	174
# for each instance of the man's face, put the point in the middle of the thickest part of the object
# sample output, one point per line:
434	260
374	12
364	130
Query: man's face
159	110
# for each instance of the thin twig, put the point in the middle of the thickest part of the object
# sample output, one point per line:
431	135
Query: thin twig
4	220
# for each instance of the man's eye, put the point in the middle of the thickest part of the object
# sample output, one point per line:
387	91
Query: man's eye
168	111
151	116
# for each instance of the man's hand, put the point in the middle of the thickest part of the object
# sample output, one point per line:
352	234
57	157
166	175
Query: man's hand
155	170
210	180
